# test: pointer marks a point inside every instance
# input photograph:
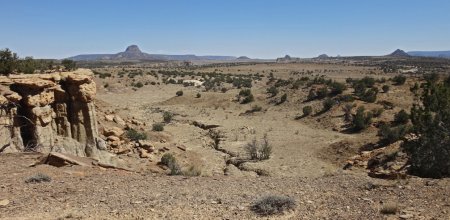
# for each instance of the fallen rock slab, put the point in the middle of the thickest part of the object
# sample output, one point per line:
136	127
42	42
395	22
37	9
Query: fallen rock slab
59	160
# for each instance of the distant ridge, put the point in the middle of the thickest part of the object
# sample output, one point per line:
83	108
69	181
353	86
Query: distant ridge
134	53
323	56
399	53
441	54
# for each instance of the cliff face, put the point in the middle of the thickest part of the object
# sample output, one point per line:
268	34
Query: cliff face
49	112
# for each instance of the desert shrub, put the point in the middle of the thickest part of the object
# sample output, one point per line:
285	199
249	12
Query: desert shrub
271	205
312	94
322	93
245	92
385	88
167	159
401	117
170	161
260	151
376	112
138	85
390	135
38	178
337	88
223	90
252	149
399	80
266	149
346	98
282	99
273	91
369	96
198	95
158	127
248	99
135	135
327	104
359	87
248	96
415	88
307	110
362	119
368	81
167	117
192	171
179	93
347	108
429	153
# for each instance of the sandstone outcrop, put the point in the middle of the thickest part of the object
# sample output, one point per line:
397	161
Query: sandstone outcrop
49	113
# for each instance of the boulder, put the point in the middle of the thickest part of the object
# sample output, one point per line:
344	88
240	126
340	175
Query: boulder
113	131
119	120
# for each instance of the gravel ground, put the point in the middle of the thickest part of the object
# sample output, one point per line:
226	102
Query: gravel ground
94	193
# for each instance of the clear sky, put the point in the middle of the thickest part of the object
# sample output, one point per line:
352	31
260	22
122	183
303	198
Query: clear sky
255	28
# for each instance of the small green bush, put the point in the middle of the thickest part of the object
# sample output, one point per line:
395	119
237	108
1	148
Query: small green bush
179	93
158	127
138	85
282	99
385	88
362	119
248	99
337	88
245	92
322	93
167	117
198	95
401	117
390	135
370	95
273	91
327	104
399	80
167	159
307	110
135	135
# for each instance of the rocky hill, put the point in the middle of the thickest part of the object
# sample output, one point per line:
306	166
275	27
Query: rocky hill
399	53
134	53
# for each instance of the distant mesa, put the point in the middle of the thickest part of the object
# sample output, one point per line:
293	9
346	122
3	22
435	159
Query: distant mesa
287	59
399	53
243	58
133	53
439	54
323	56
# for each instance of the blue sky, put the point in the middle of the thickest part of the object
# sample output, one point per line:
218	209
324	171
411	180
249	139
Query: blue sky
258	28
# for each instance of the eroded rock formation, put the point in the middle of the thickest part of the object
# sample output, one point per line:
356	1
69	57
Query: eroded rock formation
49	113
